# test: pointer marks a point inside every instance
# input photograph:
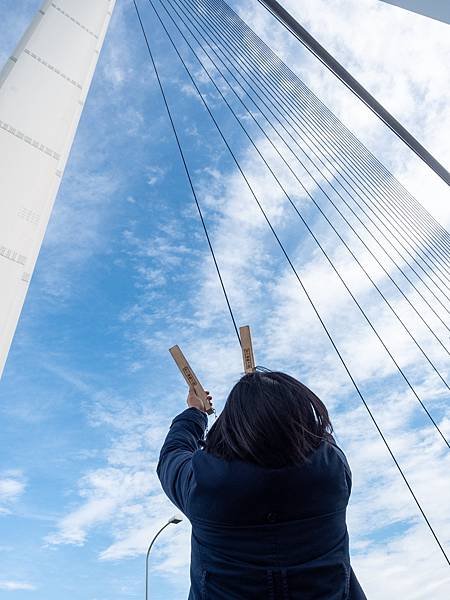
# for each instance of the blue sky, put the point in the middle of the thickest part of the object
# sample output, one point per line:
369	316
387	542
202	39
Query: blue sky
124	273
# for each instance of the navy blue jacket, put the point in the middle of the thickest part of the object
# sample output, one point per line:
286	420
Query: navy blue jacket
257	533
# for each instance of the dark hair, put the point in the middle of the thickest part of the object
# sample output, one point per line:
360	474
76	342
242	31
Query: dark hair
270	419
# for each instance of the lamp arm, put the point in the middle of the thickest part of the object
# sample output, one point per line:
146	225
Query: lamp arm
148	554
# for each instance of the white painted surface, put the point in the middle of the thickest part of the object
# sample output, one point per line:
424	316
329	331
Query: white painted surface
436	9
42	90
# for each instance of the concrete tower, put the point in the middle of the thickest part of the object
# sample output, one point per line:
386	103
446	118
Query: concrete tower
43	88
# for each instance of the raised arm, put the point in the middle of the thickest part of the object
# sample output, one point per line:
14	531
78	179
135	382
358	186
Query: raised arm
175	461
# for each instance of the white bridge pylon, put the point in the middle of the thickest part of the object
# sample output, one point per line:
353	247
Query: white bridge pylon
43	88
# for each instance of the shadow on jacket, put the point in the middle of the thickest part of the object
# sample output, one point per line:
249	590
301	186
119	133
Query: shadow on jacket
257	533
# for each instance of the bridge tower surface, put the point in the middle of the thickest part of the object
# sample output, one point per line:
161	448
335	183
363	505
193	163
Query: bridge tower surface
43	88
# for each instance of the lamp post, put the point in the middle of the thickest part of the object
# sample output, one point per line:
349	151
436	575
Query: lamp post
174	520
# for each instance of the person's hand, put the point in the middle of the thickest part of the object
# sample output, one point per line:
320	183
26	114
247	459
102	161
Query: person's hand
196	401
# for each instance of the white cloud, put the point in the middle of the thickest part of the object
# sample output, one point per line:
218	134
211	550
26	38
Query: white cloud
10	489
77	230
125	496
12	586
12	486
155	174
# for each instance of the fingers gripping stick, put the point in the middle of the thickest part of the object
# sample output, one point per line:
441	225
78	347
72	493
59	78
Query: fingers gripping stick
247	349
191	378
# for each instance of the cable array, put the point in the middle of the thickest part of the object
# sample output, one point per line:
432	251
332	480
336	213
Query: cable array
208	52
314	47
372	235
407	381
236	48
246	65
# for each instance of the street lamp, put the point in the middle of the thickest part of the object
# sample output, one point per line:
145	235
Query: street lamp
175	520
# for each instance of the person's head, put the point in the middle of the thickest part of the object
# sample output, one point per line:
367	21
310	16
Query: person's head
270	419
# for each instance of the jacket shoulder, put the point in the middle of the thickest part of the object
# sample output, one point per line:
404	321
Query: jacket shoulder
237	491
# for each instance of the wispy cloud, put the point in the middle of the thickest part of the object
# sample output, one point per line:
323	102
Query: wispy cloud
125	496
12	586
12	486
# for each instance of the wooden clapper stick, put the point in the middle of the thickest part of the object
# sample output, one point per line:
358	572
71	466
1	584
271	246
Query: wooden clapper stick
191	378
247	349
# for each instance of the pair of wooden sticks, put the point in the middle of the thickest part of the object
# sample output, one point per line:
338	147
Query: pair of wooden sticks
191	379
